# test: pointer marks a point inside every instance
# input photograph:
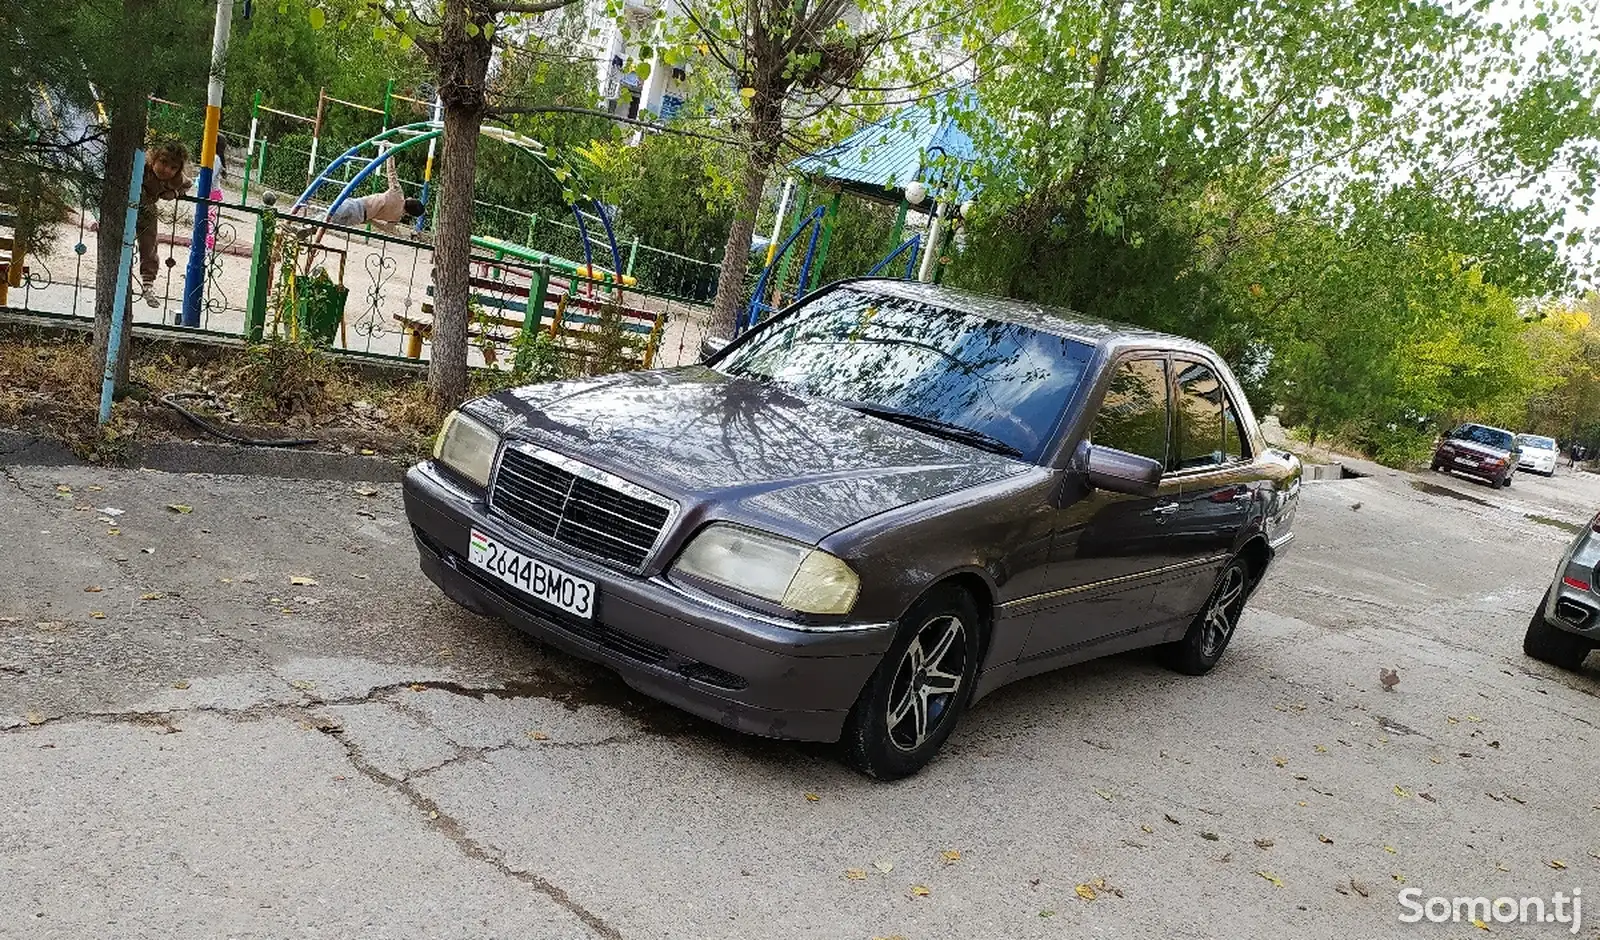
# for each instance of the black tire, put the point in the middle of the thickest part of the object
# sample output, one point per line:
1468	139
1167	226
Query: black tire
880	746
1213	627
1509	475
1435	466
1554	645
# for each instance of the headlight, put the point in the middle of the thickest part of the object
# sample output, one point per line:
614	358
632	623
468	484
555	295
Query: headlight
466	447
771	567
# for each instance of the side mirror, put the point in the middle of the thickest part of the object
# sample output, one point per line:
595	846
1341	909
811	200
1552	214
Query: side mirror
1121	472
1516	452
711	345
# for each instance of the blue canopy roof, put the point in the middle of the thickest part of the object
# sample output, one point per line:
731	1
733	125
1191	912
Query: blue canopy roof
881	158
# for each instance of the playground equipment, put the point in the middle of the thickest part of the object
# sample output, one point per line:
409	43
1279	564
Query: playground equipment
901	160
397	139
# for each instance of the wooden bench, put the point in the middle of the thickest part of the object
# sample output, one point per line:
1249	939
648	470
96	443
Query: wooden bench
575	320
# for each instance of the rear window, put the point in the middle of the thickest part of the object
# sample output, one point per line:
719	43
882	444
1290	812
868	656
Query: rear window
1537	443
1478	434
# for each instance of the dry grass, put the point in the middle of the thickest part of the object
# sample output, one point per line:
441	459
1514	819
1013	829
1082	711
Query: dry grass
48	385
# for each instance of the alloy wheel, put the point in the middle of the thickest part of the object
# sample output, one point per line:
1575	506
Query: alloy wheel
927	681
1222	614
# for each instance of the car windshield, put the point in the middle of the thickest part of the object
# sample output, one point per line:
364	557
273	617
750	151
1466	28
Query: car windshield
1534	442
1477	433
997	385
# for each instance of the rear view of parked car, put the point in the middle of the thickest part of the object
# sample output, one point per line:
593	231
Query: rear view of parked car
1566	625
1477	450
1538	454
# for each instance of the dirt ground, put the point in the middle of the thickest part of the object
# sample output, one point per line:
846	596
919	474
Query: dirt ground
250	717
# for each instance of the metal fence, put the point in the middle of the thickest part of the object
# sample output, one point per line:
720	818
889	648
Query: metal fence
260	265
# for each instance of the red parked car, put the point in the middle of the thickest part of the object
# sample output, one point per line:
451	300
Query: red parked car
1476	450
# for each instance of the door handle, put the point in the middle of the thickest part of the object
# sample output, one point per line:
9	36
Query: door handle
1165	509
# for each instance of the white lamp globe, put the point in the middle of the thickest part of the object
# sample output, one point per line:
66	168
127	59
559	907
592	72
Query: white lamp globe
966	209
916	192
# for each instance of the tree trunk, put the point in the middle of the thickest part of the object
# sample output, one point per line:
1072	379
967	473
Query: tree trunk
736	255
123	138
463	63
452	289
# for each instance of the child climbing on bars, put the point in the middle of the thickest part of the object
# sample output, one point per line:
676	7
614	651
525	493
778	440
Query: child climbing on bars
383	209
163	179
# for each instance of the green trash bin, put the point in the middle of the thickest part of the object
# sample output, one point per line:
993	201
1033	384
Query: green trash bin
320	308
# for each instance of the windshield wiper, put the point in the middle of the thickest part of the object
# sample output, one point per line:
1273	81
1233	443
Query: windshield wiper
936	427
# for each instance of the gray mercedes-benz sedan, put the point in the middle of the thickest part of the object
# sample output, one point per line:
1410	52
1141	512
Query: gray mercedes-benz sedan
1565	627
866	513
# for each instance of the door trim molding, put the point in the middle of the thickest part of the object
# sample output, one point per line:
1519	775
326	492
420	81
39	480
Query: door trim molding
1093	585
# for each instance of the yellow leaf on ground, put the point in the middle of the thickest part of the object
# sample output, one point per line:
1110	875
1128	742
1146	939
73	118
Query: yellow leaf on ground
303	685
1474	718
181	684
1320	749
812	798
1389	849
1558	864
301	580
180	508
1324	839
113	531
856	874
418	687
97	614
538	736
883	865
93	589
1479	924
951	855
1276	881
1501	866
33	718
1281	761
1146	829
1086	892
151	596
919	891
1103	794
1401	792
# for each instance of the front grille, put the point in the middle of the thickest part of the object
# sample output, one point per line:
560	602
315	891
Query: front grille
579	506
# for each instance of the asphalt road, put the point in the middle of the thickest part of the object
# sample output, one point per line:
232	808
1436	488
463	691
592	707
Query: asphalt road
193	745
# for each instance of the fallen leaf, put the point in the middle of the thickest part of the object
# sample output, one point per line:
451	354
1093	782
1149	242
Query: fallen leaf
301	580
1276	882
418	687
1047	913
1479	924
104	520
951	855
538	736
1429	797
1210	836
433	814
366	491
1558	864
1324	839
812	798
1517	799
1501	866
180	508
919	891
1474	718
1401	792
111	511
359	577
883	865
1390	850
33	718
93	589
368	452
1281	761
97	614
1320	749
1399	877
151	596
1302	803
1451	719
1264	844
1103	794
113	531
181	684
1085	892
1145	829
304	685
63	488
1172	819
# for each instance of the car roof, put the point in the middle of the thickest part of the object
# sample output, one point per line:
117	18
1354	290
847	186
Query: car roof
1486	427
1058	321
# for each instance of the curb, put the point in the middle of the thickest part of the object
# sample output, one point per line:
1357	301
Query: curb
19	448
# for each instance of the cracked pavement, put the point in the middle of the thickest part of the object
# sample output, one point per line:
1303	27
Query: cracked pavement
194	745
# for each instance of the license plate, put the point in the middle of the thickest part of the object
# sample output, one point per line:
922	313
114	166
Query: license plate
1466	462
532	576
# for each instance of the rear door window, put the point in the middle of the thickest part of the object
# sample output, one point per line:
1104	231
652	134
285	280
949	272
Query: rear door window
1202	403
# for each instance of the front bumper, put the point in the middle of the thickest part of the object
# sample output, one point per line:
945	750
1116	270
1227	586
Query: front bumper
735	667
1546	465
1488	473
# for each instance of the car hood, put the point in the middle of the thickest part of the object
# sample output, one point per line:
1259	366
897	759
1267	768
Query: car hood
733	448
1473	447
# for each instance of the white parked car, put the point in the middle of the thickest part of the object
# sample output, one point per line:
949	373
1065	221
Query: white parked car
1538	454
